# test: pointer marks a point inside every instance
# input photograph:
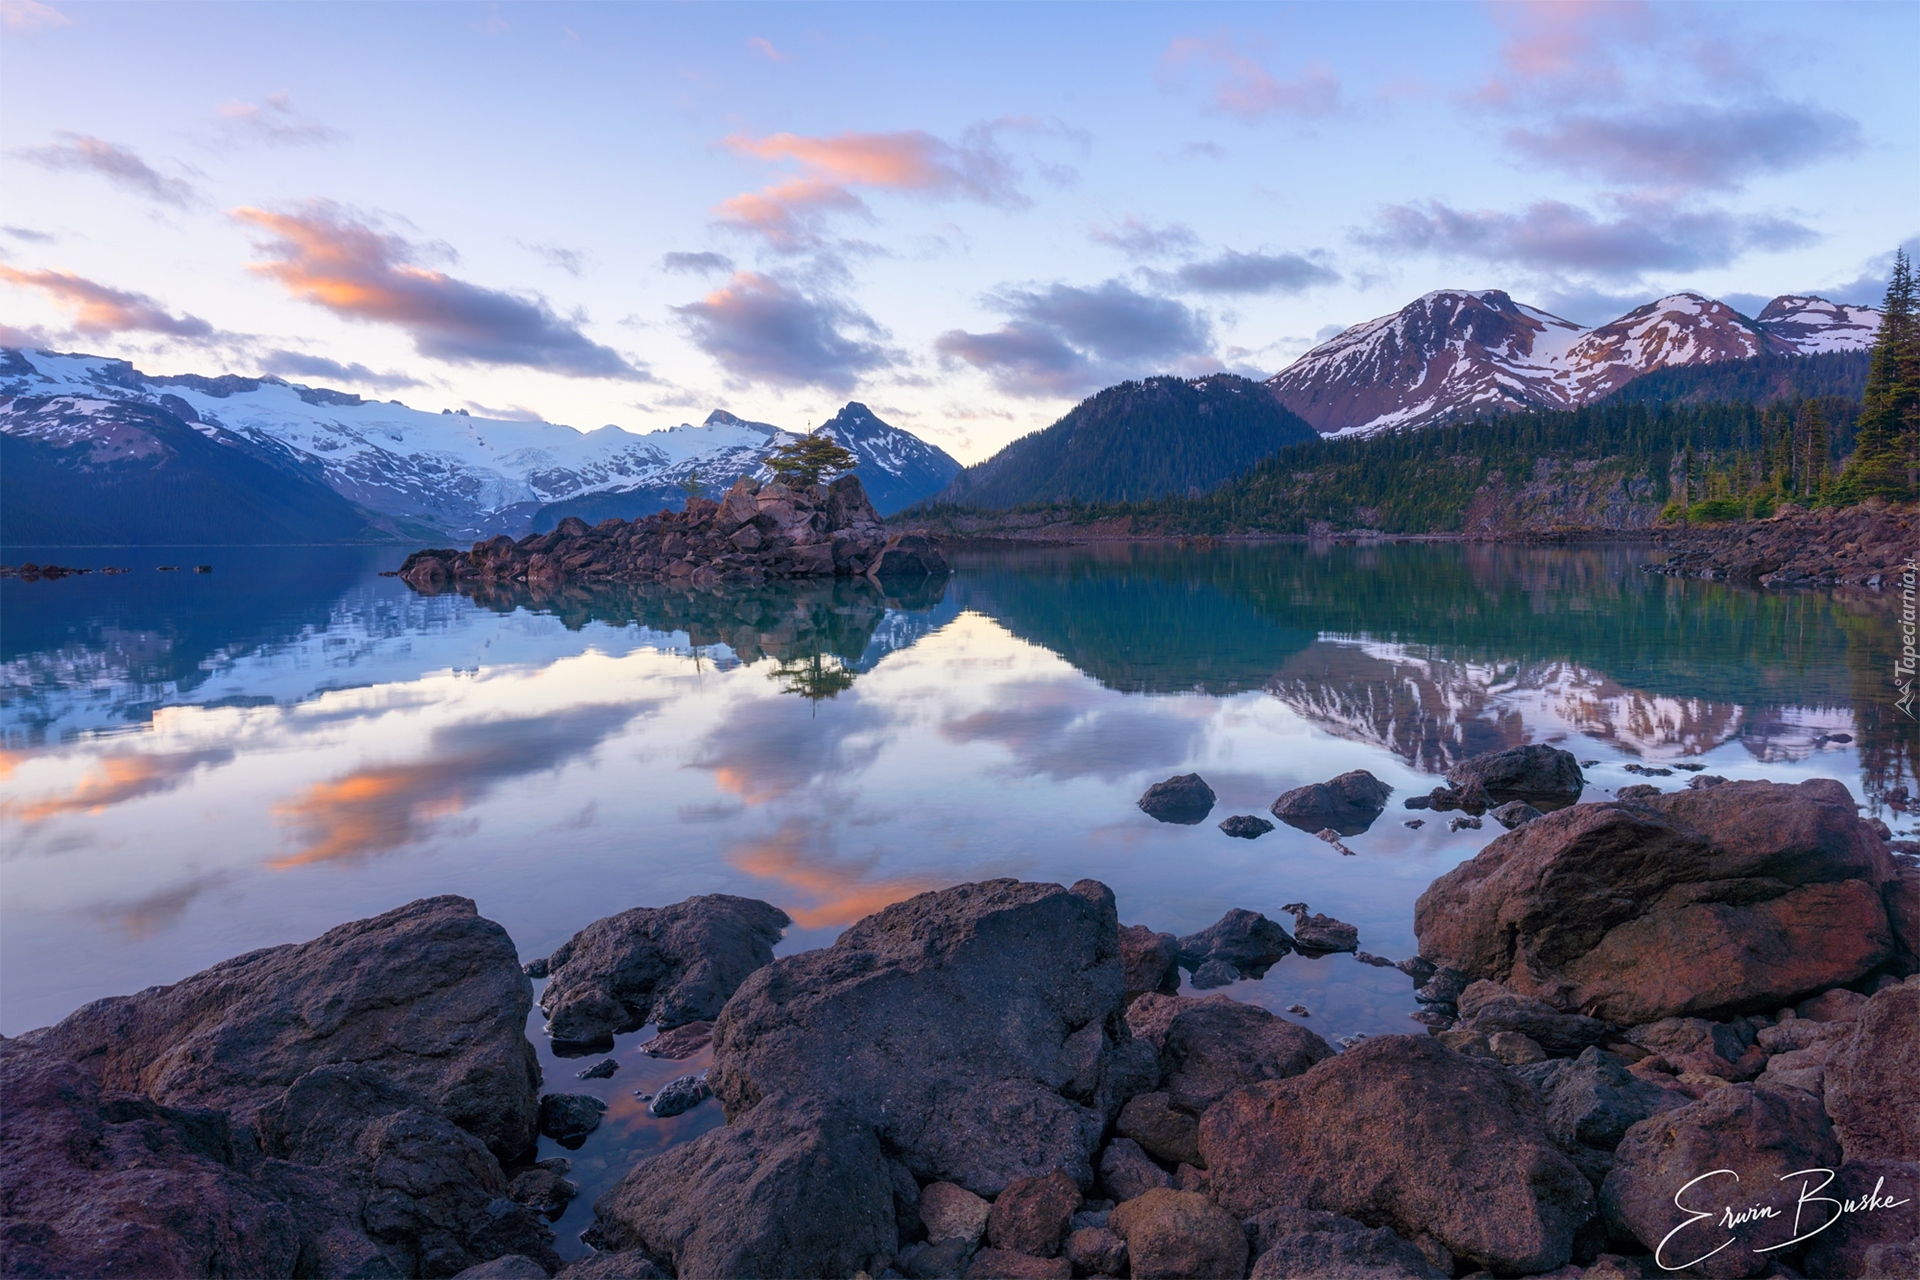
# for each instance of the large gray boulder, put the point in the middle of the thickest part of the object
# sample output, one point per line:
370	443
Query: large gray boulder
1403	1132
1745	896
1544	776
1349	804
667	965
430	993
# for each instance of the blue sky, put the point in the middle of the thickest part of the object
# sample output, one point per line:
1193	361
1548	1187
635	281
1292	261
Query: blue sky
967	216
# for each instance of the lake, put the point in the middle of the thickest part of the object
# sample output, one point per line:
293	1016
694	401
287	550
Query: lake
199	765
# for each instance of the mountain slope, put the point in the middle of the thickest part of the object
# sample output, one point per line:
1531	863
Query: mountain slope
1451	354
897	468
1136	441
81	471
1761	380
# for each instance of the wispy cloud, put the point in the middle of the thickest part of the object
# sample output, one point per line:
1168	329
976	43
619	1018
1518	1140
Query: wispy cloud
1138	238
99	310
1690	145
116	779
30	15
1062	340
83	153
1233	272
324	255
29	235
799	856
298	364
275	122
1241	86
764	47
762	329
560	258
697	264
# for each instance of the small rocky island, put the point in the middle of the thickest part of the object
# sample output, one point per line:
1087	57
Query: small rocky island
1001	1080
756	533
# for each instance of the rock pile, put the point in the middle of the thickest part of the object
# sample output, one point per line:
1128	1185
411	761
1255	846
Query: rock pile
1863	546
755	534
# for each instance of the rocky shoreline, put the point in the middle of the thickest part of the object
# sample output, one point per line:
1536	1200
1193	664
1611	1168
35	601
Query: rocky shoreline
1000	1080
1865	546
755	534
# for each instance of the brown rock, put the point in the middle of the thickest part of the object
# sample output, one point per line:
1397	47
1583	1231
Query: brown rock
1179	1234
1405	1132
1096	1251
1837	1005
1902	896
1296	1243
1147	958
1002	1264
679	1042
1127	1172
1742	896
1149	1016
1216	1044
951	1212
1165	1133
1031	1215
1868	1237
1489	1008
1873	1079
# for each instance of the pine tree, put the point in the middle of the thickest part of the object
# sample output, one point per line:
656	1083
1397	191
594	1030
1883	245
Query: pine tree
811	459
1813	442
1886	451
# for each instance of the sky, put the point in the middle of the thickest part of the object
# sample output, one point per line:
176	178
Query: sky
968	217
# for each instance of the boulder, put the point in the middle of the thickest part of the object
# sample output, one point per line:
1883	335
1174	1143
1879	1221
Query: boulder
1179	1234
1244	826
1161	1129
1031	1215
1837	1005
1004	1264
1734	1146
668	965
1594	1100
1126	1171
1244	939
1321	932
1902	896
678	1095
680	1042
1868	1236
1404	1132
1489	1008
1514	813
1148	960
544	1189
1149	1017
1216	1044
1096	1251
1745	896
568	1118
978	1027
1348	804
1215	973
632	1265
1185	800
1295	1243
1677	1037
514	1266
951	1212
430	993
1537	773
1873	1078
905	556
795	1190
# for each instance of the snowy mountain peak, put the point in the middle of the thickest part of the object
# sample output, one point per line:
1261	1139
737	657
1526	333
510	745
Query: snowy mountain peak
1812	324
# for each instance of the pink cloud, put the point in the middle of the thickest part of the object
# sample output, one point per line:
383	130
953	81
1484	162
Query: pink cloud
99	310
1245	88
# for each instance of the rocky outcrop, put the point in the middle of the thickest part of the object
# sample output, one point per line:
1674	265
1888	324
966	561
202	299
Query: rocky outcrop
754	534
1185	800
1148	961
1348	804
1216	1044
668	965
1744	896
1404	1132
1872	1078
1543	776
1863	546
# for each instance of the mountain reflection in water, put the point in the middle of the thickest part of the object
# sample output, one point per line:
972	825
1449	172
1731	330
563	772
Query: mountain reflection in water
198	765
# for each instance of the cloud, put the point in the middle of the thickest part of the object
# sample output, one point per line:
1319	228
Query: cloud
557	257
332	259
764	47
1140	239
275	122
116	779
1648	235
298	364
31	15
761	329
1870	286
1244	88
99	310
767	750
788	214
1063	339
800	857
1562	49
1235	272
1064	730
29	235
694	264
118	165
384	807
1691	144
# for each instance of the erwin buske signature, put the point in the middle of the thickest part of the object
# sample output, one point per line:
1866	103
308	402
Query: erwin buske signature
1730	1218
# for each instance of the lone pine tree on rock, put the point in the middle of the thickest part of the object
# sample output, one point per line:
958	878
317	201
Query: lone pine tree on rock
810	460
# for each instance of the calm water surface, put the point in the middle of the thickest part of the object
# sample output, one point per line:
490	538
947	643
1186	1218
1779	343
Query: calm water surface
198	765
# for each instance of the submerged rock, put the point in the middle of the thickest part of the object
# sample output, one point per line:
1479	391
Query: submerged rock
1514	813
1185	800
1539	774
670	965
1348	804
1246	827
1215	973
680	1094
1247	940
1321	932
568	1118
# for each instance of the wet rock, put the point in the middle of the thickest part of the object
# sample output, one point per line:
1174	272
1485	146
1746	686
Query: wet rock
1514	813
669	965
1443	986
1408	1133
1463	823
1179	1234
1639	791
1148	961
1378	962
544	1189
802	1189
1490	1008
1096	1251
951	1212
1031	1215
1349	804
1746	895
979	1027
1216	1044
1757	1134
1003	1264
1126	1171
1244	939
1647	771
1414	824
1872	1237
1539	774
681	1094
1161	1129
1704	781
1245	826
600	1070
1332	837
1185	800
568	1118
1294	1243
680	1042
1873	1078
1215	973
1320	932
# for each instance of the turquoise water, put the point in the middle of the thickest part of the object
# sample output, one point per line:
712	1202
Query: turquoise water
198	765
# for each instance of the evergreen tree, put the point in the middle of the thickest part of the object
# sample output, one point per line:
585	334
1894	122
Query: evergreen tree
811	459
1813	443
1887	451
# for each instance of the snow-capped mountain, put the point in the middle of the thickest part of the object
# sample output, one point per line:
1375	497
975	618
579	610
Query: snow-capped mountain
1451	352
464	476
897	468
